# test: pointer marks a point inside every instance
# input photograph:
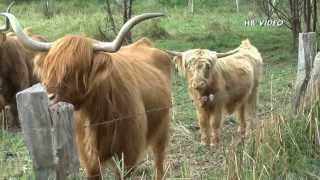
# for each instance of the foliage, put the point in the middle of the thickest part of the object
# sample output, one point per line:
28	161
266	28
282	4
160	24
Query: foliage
280	148
173	2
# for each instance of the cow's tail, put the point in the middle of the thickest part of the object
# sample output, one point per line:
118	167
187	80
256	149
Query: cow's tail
254	55
251	50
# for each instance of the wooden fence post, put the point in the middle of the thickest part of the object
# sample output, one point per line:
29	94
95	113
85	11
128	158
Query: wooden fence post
307	52
63	140
48	133
312	100
35	122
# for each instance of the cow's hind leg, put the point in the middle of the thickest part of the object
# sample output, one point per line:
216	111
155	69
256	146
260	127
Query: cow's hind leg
251	109
203	119
242	117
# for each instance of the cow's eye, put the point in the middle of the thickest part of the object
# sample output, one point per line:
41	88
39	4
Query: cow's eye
207	67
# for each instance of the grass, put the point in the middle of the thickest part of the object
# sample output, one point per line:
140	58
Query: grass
279	148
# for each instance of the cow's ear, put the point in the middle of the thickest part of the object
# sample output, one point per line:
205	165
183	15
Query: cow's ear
177	60
180	65
100	69
213	56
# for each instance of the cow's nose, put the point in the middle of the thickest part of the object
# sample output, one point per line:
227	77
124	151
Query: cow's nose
198	85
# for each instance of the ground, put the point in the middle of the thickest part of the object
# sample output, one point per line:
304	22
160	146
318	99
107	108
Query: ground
267	154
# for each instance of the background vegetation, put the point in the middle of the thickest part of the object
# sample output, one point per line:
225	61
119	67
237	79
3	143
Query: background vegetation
280	147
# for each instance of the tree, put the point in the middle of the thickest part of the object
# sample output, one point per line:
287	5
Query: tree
237	5
298	15
127	13
191	6
125	7
48	7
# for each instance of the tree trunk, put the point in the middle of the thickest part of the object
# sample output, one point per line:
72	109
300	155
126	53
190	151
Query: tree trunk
110	17
307	10
191	6
237	5
48	7
296	28
127	12
315	18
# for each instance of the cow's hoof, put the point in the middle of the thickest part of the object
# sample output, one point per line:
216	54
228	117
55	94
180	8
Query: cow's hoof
205	142
214	145
241	131
214	142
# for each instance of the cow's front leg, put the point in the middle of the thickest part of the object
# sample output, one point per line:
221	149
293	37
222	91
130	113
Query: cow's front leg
87	150
215	122
91	165
203	119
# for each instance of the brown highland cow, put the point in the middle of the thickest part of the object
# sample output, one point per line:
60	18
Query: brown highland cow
122	99
16	70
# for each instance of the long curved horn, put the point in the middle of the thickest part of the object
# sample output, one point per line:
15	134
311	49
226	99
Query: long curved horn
116	43
98	46
23	37
220	55
173	53
6	27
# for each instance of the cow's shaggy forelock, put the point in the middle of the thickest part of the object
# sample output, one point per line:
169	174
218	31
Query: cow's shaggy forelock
69	56
191	58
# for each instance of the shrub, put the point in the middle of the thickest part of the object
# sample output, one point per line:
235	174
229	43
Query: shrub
154	30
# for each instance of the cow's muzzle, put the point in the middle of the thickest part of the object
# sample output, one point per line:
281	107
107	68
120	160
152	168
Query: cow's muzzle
198	85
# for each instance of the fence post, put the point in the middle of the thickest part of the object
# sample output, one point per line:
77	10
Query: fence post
63	143
306	54
35	122
48	134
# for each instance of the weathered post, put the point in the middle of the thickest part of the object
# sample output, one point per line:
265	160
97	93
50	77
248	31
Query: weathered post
307	52
63	140
307	89
35	122
312	101
48	133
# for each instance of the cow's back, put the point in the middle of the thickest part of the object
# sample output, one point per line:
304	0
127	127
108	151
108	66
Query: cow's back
150	68
143	50
241	73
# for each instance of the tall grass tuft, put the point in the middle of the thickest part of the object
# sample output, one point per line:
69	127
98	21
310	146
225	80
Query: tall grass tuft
282	147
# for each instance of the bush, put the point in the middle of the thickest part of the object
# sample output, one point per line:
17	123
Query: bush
154	30
173	2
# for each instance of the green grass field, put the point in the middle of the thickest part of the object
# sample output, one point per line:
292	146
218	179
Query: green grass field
280	147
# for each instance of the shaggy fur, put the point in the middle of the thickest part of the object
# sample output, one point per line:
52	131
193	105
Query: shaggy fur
16	73
222	86
112	93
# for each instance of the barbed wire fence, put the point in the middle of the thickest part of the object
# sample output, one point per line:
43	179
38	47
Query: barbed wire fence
15	160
